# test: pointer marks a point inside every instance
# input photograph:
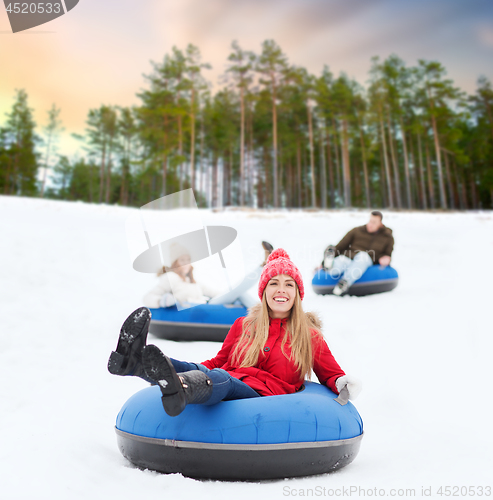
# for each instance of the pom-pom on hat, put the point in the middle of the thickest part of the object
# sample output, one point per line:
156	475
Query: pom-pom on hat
280	263
176	250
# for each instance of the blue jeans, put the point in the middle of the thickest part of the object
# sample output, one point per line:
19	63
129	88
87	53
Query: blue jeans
351	270
224	386
239	292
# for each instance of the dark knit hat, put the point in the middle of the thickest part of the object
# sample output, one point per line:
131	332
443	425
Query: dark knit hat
280	263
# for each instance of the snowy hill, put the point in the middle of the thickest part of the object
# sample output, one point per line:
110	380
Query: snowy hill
423	351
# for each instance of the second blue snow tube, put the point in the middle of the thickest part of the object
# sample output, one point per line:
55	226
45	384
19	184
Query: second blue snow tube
203	322
376	279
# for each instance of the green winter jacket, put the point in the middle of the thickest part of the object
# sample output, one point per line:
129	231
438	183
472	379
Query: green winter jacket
377	244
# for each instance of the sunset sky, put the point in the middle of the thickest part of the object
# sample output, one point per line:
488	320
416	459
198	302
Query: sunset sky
97	53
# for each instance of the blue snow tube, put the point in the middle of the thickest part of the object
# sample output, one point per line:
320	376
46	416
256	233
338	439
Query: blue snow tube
270	437
203	322
376	279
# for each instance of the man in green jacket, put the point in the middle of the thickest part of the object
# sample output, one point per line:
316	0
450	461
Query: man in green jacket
362	247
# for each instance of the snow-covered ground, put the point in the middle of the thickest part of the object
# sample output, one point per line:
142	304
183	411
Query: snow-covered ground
423	352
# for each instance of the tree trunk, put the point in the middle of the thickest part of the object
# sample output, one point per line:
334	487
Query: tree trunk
385	202
15	182
208	183
443	199
464	188
164	174
474	196
281	178
180	151
225	177
356	182
201	161
406	166
459	184
338	160
125	171
242	147
108	173
122	185
192	141
102	172
415	193
47	158
386	163
298	164
230	175
331	169
345	159
7	177
267	180
292	184
422	173
90	183
274	145
312	156
395	167
451	194
252	171
214	179
323	174
108	181
431	190
365	168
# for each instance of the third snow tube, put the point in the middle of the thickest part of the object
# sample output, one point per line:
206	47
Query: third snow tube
202	322
376	279
269	437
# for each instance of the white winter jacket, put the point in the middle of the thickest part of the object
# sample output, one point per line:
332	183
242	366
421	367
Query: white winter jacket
183	291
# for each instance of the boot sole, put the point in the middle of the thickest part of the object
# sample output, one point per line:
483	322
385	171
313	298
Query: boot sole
158	367
133	327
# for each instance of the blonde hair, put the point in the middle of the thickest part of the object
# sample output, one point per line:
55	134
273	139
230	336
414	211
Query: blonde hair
166	269
299	327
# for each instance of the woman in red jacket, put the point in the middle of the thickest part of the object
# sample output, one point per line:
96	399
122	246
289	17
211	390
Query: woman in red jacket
269	352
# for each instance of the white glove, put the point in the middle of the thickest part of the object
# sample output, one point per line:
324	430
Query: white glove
167	300
354	385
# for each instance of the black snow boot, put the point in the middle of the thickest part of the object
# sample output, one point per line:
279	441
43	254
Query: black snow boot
329	256
341	288
177	390
127	359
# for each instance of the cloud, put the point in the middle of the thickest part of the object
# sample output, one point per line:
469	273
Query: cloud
485	35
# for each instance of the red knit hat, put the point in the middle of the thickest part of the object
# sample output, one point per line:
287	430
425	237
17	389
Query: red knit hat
280	263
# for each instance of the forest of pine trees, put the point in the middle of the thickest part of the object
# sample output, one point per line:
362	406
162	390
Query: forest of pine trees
273	136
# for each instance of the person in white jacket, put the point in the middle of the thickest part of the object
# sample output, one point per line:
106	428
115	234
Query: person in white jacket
177	284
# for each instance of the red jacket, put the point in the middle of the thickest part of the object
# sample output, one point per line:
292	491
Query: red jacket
274	373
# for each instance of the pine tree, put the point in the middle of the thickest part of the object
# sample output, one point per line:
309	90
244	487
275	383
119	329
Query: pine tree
51	131
20	159
241	66
272	64
435	94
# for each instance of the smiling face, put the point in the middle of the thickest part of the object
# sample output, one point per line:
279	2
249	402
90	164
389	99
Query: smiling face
280	293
